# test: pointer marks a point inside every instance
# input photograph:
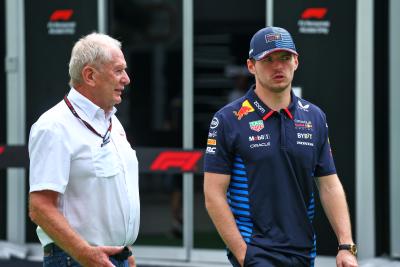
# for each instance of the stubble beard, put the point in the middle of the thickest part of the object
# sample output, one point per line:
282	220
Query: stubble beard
275	89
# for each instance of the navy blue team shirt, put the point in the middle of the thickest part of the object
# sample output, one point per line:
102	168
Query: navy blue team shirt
272	157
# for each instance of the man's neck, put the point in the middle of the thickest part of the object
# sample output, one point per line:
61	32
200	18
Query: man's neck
274	100
88	93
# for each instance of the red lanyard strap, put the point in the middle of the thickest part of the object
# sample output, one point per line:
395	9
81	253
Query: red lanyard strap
105	137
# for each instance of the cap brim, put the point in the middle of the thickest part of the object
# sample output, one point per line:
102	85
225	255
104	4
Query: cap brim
262	55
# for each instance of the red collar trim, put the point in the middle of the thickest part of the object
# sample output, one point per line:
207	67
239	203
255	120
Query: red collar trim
269	114
288	113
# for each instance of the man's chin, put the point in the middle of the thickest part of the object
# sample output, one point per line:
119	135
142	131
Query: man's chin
281	87
278	89
117	100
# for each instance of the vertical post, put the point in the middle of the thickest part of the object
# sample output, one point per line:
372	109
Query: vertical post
394	126
102	16
15	73
365	199
158	87
269	18
188	124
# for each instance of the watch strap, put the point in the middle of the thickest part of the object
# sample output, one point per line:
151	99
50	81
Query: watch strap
352	248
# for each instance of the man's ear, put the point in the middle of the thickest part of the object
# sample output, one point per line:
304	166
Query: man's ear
251	66
296	62
88	73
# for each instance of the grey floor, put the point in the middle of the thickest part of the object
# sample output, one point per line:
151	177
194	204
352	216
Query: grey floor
31	255
320	262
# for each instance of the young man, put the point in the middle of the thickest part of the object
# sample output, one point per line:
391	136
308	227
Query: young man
264	151
83	172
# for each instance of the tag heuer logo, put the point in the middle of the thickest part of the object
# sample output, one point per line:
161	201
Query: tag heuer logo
256	125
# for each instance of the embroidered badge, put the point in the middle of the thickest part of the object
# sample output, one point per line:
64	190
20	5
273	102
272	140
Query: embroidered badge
244	110
256	125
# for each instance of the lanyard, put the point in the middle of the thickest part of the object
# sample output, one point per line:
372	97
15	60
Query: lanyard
105	137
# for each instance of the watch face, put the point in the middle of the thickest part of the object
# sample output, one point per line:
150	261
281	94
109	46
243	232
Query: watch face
353	249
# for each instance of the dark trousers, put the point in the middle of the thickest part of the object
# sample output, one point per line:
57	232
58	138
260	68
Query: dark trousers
56	257
257	257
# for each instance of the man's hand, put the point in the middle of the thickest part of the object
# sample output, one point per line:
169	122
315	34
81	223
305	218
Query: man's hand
241	256
345	259
131	261
98	256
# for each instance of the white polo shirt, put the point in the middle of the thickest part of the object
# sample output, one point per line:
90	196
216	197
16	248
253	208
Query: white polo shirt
98	186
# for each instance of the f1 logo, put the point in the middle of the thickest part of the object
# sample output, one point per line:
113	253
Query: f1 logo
61	14
184	160
314	13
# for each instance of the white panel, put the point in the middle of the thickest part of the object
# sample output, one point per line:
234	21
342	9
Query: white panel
102	15
269	14
15	69
365	201
394	122
188	123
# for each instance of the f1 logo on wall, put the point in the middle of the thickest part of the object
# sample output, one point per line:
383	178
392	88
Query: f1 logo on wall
184	160
60	22
313	21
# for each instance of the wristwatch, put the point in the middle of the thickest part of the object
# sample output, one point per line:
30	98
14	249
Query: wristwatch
352	248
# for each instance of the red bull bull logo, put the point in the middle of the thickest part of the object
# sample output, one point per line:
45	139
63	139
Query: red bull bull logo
244	110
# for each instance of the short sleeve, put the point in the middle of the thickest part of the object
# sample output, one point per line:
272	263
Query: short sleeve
325	165
49	158
218	154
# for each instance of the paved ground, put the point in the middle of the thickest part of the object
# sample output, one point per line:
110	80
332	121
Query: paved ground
31	255
321	262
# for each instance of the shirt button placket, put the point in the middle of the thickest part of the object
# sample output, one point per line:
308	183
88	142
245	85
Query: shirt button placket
282	130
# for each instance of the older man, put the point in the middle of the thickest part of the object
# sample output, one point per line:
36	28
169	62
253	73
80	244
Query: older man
83	172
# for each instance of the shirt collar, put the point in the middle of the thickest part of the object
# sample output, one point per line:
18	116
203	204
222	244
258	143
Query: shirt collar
264	111
88	107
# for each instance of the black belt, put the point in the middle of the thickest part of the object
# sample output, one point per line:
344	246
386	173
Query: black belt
49	249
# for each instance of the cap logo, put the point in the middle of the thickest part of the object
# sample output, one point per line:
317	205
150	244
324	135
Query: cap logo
271	37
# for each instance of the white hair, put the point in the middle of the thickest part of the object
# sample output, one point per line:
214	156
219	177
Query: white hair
93	49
